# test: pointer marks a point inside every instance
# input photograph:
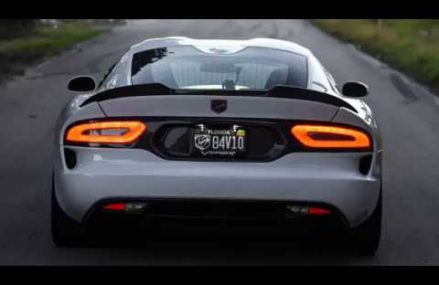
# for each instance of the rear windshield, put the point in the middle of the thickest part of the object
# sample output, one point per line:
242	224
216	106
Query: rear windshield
253	68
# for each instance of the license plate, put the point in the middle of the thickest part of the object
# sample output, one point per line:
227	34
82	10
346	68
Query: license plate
220	141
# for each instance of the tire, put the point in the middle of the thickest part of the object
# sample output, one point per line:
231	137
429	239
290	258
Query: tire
366	237
66	232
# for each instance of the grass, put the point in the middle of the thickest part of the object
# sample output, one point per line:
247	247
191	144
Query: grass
16	53
410	45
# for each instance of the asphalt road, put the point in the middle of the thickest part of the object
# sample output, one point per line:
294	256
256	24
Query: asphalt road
407	113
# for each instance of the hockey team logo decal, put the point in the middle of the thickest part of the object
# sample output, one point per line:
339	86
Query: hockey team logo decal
202	141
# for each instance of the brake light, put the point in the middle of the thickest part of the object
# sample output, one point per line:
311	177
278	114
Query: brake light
321	136
110	132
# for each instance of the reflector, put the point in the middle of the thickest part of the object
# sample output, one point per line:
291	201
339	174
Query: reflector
126	207
115	207
318	211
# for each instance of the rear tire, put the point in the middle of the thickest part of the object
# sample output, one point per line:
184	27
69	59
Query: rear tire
366	237
66	232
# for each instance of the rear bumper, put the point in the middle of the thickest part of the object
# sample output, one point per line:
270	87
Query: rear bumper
259	216
332	179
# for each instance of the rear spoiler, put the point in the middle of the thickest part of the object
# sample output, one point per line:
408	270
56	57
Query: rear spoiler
280	91
284	91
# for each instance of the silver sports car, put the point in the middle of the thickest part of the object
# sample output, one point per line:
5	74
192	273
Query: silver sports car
234	129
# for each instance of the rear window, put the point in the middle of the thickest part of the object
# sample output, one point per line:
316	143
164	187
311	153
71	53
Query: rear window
253	68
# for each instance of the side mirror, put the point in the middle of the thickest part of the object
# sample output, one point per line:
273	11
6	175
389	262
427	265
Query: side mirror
355	89
82	83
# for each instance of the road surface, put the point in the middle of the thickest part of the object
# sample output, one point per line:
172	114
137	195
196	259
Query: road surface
407	112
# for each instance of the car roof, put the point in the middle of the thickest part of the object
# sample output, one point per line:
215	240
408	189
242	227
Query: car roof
220	45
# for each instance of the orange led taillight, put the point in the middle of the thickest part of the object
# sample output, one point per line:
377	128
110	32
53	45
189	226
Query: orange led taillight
110	132
321	136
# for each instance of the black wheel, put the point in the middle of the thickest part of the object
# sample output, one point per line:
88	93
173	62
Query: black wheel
366	237
65	231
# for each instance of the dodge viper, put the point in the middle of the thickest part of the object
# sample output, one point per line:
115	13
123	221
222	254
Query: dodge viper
236	129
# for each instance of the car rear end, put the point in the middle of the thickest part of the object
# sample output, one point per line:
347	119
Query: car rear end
164	162
229	154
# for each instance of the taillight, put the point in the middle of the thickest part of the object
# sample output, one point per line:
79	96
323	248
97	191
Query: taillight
109	132
330	137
